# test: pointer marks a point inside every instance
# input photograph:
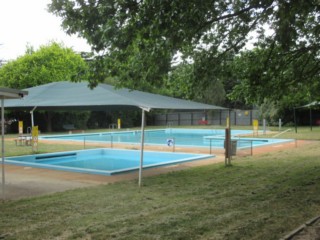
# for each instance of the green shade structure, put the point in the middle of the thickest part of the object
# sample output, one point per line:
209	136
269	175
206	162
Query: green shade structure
311	105
78	96
70	95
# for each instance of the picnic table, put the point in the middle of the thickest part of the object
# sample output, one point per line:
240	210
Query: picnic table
23	140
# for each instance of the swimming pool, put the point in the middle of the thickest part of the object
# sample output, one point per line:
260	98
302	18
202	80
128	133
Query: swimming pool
103	161
181	137
178	136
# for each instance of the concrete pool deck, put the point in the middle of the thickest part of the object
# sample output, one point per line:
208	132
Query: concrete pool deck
23	182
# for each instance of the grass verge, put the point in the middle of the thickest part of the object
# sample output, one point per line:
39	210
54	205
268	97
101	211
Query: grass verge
259	197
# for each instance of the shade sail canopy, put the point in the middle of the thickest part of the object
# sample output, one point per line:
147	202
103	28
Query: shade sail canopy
9	93
72	96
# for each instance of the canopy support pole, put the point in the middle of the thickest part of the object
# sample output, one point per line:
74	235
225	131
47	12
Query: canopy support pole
2	146
31	112
142	144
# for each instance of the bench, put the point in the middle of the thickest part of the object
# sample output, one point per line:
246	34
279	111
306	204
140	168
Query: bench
113	126
68	127
71	129
24	140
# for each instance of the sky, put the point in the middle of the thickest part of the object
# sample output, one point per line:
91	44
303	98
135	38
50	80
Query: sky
27	22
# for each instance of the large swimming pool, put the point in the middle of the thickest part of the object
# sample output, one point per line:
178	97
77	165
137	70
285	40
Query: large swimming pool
103	161
177	136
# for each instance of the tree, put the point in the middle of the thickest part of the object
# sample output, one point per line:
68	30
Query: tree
138	40
282	78
182	83
51	63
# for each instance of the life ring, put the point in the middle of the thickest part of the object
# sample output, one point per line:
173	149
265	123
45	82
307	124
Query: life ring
170	142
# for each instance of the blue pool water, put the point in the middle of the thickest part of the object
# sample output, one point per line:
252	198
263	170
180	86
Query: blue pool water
180	137
103	161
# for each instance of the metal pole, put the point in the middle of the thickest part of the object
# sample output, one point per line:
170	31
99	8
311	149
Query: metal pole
295	119
229	140
32	122
31	112
226	147
264	127
310	119
280	124
2	146
142	146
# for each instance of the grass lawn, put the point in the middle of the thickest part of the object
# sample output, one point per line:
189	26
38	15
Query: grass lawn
259	197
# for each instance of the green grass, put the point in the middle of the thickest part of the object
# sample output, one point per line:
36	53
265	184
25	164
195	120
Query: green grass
303	133
259	197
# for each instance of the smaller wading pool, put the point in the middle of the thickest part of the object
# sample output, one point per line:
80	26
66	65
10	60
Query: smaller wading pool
103	161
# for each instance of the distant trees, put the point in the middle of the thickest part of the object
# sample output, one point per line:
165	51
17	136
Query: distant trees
269	73
182	83
50	63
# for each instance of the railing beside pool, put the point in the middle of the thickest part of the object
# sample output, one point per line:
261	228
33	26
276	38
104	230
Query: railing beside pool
246	146
214	144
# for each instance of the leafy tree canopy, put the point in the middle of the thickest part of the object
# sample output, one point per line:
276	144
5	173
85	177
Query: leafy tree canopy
51	63
138	40
292	79
182	83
